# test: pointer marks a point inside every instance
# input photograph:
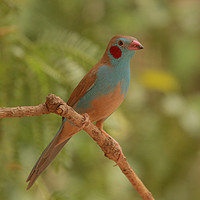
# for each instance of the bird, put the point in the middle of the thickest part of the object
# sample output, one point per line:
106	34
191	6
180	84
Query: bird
98	94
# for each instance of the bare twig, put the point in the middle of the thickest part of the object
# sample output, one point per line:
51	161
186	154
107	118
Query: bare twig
108	145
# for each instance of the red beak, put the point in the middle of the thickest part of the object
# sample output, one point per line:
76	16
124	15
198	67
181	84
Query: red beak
135	45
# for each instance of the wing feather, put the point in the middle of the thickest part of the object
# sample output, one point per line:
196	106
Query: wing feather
85	85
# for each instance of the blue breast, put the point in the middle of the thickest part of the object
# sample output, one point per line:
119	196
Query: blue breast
107	79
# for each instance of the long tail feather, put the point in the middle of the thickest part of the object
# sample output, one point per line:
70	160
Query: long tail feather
46	158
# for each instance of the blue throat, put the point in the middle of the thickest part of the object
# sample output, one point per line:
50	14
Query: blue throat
119	72
108	77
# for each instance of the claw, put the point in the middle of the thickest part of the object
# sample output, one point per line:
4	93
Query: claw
85	121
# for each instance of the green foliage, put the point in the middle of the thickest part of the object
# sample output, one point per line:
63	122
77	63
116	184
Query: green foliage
48	46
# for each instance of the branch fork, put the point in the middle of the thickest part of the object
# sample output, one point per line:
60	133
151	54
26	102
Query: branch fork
109	146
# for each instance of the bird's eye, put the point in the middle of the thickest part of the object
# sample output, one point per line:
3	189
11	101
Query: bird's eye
120	43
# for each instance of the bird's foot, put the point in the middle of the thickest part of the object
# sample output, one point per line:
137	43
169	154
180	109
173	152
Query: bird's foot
116	143
85	121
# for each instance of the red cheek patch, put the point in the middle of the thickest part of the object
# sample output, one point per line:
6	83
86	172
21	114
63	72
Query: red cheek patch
115	52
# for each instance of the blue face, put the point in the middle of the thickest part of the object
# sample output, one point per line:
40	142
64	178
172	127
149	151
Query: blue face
119	53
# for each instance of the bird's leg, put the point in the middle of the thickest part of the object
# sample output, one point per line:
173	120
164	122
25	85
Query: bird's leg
99	124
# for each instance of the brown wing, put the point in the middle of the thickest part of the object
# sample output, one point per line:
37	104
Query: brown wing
84	85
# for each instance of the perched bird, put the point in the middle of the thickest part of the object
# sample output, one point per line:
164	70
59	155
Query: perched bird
98	94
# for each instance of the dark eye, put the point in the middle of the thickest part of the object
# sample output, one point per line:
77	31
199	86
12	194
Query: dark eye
120	43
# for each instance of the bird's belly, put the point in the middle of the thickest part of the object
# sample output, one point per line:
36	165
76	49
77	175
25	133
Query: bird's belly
105	105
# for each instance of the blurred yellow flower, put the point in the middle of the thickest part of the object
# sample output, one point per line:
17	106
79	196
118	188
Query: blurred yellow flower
159	80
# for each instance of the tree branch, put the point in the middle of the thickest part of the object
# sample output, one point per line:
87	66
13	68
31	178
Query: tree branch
108	145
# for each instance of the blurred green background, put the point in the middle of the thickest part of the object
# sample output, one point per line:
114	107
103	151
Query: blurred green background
48	46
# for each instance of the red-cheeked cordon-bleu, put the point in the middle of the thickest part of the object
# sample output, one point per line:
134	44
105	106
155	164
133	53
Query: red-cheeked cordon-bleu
98	94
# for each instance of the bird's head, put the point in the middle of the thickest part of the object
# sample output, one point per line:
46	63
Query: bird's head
122	48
